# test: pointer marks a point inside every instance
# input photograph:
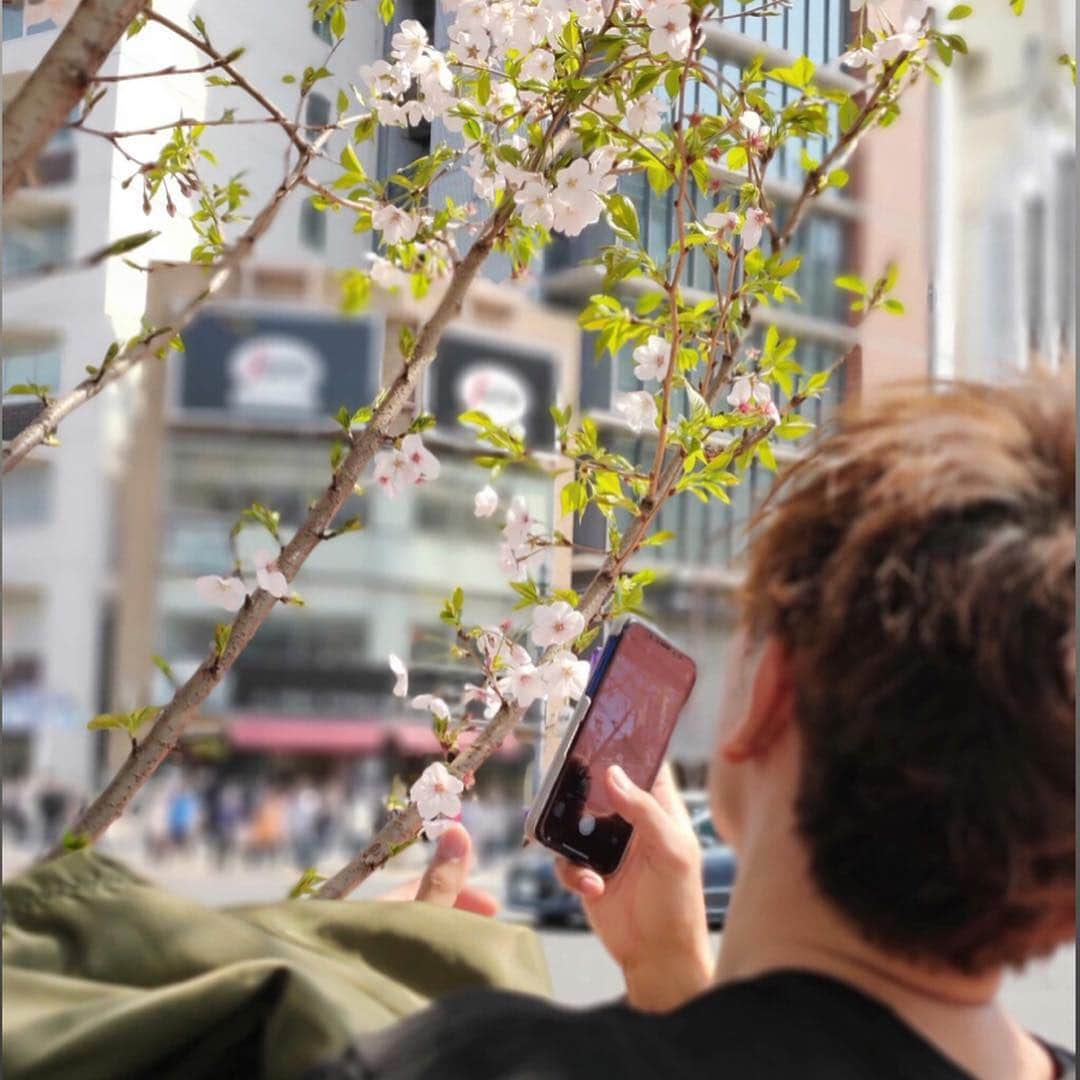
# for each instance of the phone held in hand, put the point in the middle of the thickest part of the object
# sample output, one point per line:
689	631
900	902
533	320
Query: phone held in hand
626	717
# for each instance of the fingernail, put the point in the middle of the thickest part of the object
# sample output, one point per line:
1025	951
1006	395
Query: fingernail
453	844
619	778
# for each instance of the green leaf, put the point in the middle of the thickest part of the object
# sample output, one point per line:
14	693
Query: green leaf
103	721
130	243
309	880
74	841
838	178
386	11
483	87
164	667
961	11
851	283
337	22
528	592
894	307
623	216
574	497
799	74
793	426
1017	6
37	390
350	162
658	538
222	633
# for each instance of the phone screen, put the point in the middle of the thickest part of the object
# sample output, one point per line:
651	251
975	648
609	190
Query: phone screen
642	691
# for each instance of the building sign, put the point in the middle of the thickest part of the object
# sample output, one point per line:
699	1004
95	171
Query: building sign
512	385
273	367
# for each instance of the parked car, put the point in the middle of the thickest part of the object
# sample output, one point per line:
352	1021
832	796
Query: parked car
531	884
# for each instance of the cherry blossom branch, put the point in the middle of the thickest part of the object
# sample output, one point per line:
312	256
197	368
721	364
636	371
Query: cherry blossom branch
165	732
143	348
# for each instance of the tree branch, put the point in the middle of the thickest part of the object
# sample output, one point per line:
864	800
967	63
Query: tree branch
54	88
169	724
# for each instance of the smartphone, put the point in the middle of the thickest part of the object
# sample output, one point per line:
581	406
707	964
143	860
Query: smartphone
626	717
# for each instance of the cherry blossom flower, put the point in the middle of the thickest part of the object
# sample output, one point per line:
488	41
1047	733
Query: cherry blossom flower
722	220
434	828
470	46
228	593
268	576
651	360
522	683
394	223
437	793
756	132
434	705
602	162
486	695
755	222
498	648
565	676
386	275
392	471
424	463
857	59
485	502
387	80
645	115
906	39
539	65
575	200
772	412
671	33
556	623
749	393
409	42
519	523
401	672
534	204
638	409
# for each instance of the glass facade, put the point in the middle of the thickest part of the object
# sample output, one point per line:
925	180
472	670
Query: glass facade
34	242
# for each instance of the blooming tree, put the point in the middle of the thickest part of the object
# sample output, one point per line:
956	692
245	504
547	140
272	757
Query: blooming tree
550	105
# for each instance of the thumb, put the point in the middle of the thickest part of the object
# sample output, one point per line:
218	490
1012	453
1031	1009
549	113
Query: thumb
650	820
448	869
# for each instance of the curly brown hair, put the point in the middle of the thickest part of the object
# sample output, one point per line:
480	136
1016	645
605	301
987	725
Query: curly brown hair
919	567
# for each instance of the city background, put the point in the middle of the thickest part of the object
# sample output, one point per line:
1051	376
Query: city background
972	193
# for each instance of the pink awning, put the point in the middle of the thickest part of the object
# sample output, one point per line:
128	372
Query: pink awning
303	734
418	740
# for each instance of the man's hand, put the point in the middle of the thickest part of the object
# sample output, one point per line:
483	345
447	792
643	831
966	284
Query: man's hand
650	914
445	880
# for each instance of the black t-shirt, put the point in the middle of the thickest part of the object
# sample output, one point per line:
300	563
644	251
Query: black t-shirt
780	1025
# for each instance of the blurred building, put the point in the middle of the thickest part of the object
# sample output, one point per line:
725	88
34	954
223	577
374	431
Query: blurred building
1005	191
106	535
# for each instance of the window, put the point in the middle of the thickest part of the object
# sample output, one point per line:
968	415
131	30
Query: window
28	495
312	227
317	110
1066	255
37	240
1034	272
41	367
56	163
21	18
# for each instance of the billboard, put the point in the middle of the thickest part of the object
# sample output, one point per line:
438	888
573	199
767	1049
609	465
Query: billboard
511	382
273	366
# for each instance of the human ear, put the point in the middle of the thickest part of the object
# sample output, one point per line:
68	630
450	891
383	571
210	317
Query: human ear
771	709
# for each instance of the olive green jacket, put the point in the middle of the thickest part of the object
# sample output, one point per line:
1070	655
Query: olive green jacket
106	975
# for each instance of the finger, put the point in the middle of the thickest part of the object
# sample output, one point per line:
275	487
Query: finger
666	793
449	867
405	891
588	884
478	901
650	820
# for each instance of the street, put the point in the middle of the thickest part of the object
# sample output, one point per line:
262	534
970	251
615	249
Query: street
1041	998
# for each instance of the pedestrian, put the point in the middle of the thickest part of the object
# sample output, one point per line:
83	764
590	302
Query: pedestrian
894	770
